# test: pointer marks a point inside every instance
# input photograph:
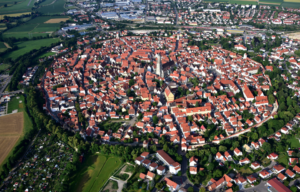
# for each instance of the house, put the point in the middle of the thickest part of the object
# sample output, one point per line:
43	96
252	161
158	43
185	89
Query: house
174	167
169	95
145	155
296	169
278	168
237	152
193	170
273	156
153	166
244	161
293	160
277	185
146	163
171	185
160	170
220	157
265	174
142	176
193	161
139	160
251	179
281	176
255	165
150	175
290	173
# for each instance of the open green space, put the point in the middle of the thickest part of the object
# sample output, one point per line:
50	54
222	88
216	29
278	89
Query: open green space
94	172
47	54
12	105
18	7
55	8
34	28
283	159
243	2
294	142
2	47
292	5
3	67
27	46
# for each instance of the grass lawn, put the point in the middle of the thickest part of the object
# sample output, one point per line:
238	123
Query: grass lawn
47	54
27	46
4	67
55	8
34	28
94	172
12	105
244	171
294	143
283	159
19	7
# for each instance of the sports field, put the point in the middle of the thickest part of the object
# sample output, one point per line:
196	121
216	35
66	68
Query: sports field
39	26
94	172
13	128
27	46
53	7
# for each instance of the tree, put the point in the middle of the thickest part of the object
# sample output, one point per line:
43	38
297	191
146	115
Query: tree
210	167
271	99
222	148
155	119
217	173
235	144
190	118
165	147
202	189
190	189
254	136
131	82
266	146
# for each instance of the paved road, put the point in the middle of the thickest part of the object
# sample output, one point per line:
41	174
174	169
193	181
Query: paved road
120	184
7	80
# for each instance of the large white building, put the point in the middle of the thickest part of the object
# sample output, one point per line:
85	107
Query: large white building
174	167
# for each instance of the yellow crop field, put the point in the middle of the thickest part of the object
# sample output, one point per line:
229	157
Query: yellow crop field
292	1
10	131
14	15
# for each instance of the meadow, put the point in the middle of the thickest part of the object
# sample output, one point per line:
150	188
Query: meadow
34	28
14	127
292	5
21	6
27	46
94	172
47	54
2	47
56	8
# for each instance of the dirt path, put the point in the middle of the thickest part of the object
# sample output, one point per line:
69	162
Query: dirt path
7	45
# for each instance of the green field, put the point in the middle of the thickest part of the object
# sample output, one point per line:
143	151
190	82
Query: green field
283	159
55	8
34	28
292	5
12	105
243	2
21	6
94	172
3	67
2	47
27	46
294	143
47	54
